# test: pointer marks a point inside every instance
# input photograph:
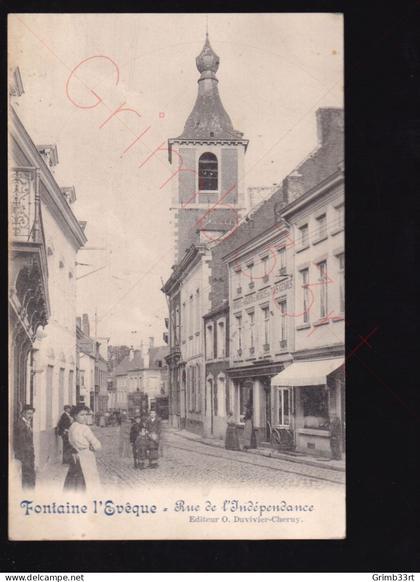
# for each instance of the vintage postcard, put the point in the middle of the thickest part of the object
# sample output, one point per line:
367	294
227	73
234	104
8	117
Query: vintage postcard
176	276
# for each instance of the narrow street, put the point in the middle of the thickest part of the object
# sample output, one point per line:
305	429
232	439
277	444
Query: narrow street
185	461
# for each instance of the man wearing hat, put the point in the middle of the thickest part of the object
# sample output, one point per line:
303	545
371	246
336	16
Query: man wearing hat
24	446
63	431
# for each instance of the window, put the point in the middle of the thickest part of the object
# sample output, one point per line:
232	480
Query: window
207	172
238	281
190	317
283	328
250	268
185	321
209	341
283	406
70	399
266	318
264	263
322	226
245	397
215	399
221	340
251	322
315	407
198	389
304	236
221	394
323	295
177	325
227	399
340	259
305	293
238	319
192	375
339	216
197	310
49	397
282	260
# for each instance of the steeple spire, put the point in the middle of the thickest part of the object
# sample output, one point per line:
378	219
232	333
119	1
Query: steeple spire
209	119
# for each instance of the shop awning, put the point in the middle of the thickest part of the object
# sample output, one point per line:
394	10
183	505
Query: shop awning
307	373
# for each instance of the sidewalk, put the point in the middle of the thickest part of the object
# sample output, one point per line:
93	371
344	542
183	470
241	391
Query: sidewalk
300	458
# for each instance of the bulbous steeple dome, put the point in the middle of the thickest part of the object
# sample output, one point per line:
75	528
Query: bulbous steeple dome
207	60
208	119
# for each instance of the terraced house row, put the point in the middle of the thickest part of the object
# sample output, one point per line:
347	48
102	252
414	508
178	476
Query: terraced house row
256	296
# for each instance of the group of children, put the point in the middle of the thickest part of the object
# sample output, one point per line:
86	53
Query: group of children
144	439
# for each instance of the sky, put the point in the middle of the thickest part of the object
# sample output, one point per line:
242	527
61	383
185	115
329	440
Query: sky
275	71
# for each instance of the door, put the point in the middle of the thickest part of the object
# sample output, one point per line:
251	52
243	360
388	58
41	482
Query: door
268	422
210	403
49	397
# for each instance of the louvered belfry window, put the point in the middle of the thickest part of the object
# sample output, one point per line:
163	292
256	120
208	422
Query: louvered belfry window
207	172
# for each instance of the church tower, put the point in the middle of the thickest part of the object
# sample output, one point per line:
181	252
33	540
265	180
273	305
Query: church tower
208	193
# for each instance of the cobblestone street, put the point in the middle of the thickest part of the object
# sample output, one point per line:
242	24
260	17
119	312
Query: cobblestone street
184	461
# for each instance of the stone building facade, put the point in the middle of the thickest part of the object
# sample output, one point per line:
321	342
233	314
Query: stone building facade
49	363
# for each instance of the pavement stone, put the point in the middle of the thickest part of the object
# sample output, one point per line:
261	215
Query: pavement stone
186	461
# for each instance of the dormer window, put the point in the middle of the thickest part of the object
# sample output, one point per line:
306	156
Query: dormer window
207	172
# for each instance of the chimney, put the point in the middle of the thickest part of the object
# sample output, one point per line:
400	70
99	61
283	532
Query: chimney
293	186
131	354
85	324
79	322
330	125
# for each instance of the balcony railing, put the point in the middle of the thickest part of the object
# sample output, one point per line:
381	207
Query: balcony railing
283	344
25	218
266	347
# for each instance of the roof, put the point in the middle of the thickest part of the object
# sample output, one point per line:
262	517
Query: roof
208	119
126	365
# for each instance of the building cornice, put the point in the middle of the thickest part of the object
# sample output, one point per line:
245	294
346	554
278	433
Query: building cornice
189	260
55	201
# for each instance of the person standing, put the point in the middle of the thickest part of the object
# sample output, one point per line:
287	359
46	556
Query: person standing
83	473
141	446
134	433
24	446
335	438
153	429
231	439
124	437
63	431
248	428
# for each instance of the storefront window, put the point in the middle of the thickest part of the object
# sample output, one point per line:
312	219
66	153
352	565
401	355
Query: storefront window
283	406
315	407
245	397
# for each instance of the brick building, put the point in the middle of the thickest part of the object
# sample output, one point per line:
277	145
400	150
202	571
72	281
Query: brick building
208	191
208	199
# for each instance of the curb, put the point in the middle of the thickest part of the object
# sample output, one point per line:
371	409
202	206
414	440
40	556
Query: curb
270	455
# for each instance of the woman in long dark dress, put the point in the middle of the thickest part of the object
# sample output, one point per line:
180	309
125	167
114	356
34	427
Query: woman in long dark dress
232	438
248	428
